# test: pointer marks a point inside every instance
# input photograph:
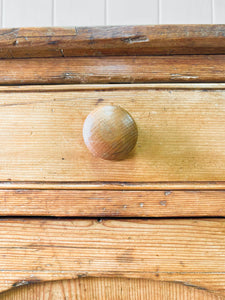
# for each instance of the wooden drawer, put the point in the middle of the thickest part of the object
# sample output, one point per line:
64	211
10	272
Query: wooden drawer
181	133
180	147
171	80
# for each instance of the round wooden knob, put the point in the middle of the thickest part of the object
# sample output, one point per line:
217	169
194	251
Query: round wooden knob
110	132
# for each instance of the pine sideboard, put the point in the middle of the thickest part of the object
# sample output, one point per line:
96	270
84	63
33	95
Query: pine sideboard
149	225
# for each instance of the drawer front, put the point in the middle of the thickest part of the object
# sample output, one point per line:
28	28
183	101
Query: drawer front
181	133
189	252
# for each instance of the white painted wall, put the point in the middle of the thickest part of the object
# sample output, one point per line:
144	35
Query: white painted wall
18	13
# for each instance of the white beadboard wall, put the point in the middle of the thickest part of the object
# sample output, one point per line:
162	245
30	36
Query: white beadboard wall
24	13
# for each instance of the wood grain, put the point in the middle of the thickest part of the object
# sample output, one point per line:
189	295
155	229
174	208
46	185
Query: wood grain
109	87
181	133
114	185
186	251
107	203
116	69
108	289
114	40
110	132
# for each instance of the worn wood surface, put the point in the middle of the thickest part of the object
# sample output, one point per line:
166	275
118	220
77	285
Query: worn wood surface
181	133
108	203
110	132
114	185
183	250
116	69
114	40
108	289
181	145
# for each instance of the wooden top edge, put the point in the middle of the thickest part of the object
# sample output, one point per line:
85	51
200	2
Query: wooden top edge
113	32
112	40
108	87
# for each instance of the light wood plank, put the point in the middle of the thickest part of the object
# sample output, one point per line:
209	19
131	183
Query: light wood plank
185	251
132	12
218	11
129	69
114	185
110	87
107	203
108	289
79	13
27	13
185	12
181	134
